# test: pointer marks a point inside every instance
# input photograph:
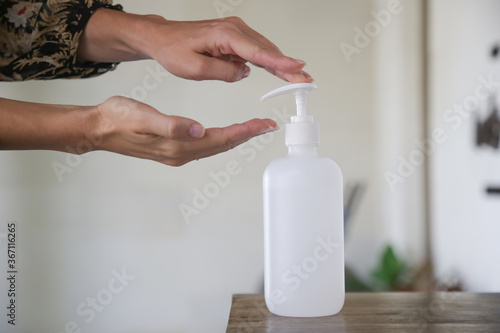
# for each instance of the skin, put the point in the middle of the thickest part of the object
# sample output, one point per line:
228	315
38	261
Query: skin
199	50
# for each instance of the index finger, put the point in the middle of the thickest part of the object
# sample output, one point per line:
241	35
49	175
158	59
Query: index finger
289	69
251	46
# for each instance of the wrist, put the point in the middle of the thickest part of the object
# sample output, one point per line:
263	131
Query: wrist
143	38
103	122
91	132
115	36
74	129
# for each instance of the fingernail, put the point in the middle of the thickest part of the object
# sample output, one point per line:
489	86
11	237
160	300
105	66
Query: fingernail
246	72
270	129
302	62
308	76
197	131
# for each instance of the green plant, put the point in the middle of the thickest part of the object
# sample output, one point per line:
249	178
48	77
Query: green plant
389	274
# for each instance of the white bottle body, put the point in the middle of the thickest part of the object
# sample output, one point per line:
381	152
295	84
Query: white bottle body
303	235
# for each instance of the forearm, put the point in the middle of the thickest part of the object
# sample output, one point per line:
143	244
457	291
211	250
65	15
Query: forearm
115	36
26	126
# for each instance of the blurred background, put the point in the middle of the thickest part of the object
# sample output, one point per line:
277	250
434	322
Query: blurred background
407	103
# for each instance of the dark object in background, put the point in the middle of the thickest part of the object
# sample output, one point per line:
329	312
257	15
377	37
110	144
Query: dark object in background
353	193
488	132
495	51
493	190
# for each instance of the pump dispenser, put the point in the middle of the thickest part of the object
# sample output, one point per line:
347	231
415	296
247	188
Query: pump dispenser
303	221
302	129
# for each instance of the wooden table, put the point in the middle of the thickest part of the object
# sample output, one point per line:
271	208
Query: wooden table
455	312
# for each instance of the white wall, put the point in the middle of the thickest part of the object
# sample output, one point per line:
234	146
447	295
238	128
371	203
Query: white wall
113	212
398	201
465	220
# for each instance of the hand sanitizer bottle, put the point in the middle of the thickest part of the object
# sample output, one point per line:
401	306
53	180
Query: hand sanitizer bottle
303	222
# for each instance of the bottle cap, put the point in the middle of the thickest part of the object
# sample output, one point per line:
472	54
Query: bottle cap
302	130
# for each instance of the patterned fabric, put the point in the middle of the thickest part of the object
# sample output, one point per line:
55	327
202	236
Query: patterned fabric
39	39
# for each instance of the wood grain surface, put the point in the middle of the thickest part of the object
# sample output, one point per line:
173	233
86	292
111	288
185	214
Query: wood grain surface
456	312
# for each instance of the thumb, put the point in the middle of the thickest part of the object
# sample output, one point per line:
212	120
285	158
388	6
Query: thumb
176	128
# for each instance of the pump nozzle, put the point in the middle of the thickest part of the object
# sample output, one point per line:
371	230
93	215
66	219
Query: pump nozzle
305	131
300	92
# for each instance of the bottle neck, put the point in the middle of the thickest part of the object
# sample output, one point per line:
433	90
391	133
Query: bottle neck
302	150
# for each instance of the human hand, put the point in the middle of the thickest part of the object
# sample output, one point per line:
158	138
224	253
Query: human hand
218	50
200	50
132	128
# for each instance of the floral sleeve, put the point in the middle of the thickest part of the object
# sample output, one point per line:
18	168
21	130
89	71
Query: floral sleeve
39	39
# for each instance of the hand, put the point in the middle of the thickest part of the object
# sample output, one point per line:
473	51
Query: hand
218	50
199	50
133	128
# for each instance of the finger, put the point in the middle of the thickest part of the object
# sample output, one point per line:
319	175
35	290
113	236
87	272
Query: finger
298	77
249	49
232	57
271	59
255	35
218	140
294	76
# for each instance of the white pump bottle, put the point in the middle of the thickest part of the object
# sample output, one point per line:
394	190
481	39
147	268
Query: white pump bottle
303	222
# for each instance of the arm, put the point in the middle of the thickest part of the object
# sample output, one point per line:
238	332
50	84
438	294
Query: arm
42	126
199	50
119	125
215	49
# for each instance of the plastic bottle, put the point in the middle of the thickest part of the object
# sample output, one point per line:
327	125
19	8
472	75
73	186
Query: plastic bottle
303	222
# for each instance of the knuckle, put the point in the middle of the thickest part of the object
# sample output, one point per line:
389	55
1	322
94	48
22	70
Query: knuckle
139	119
228	145
177	163
172	155
259	52
176	154
229	77
228	23
198	70
174	128
234	20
